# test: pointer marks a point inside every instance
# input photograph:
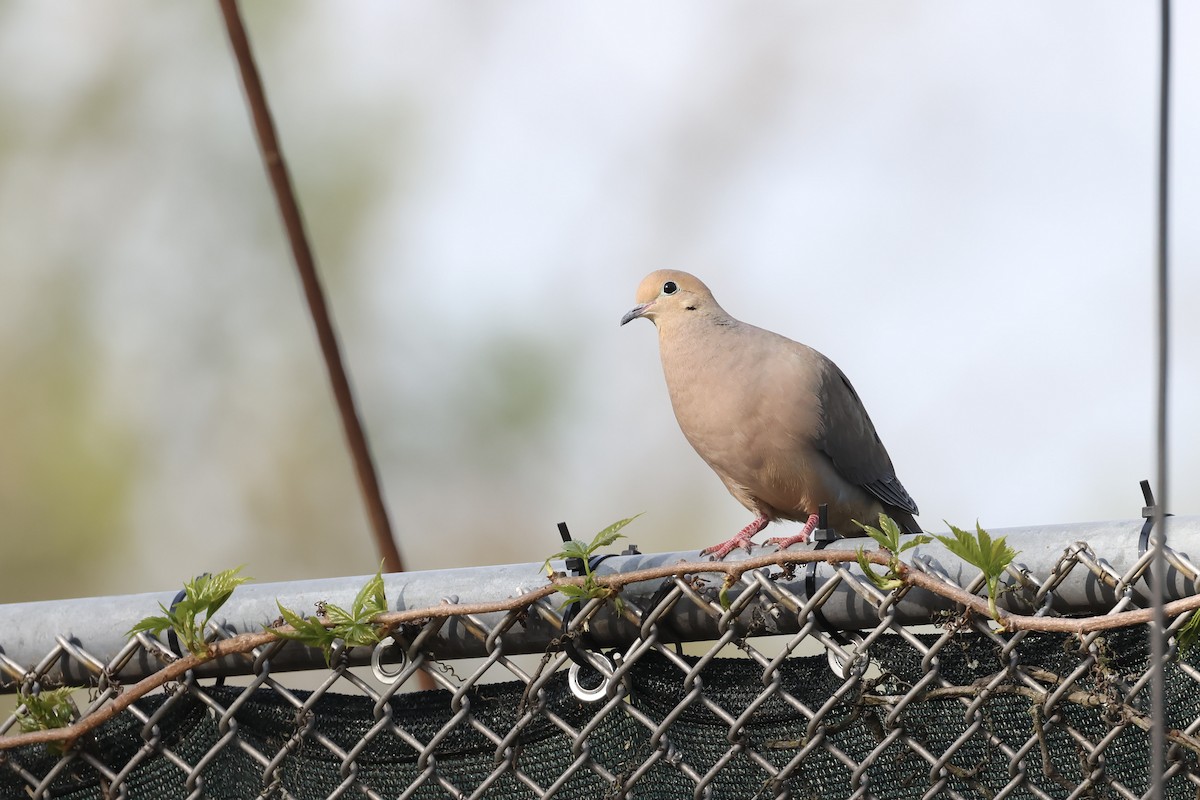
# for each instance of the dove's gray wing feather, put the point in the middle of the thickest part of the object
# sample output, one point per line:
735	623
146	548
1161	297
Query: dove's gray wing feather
849	439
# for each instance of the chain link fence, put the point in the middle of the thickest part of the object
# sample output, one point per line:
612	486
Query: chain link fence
798	681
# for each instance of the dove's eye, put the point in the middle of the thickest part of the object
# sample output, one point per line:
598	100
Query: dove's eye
670	288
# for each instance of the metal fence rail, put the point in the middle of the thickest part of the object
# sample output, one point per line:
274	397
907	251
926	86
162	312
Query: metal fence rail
663	710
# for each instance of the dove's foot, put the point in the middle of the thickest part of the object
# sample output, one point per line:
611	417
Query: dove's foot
741	539
784	542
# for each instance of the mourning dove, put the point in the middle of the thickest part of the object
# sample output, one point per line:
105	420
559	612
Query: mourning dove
777	421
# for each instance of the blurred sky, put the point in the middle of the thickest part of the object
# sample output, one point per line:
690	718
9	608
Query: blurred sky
953	201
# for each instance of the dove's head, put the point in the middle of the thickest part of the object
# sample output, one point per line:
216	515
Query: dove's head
669	295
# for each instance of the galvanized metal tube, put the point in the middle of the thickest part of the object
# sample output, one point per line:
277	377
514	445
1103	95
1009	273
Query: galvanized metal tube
29	631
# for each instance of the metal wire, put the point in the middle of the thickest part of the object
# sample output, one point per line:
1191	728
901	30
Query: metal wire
1158	569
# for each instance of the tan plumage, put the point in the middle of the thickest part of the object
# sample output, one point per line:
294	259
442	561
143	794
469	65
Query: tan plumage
777	421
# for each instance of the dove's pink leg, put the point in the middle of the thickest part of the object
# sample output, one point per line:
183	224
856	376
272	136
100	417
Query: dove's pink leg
784	542
742	539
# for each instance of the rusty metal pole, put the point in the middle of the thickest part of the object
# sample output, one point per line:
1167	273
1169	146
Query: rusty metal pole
289	209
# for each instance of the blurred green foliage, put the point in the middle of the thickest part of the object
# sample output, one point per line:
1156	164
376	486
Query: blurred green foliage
67	472
163	405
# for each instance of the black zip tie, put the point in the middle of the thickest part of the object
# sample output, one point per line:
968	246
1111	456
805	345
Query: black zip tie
1148	513
575	565
172	636
664	624
822	537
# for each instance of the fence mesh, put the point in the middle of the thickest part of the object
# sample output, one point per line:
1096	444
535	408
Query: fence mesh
955	709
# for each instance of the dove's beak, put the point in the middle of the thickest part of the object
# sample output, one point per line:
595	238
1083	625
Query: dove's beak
637	311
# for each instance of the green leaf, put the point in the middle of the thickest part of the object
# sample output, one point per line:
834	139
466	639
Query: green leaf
890	537
354	627
1189	633
204	594
310	632
151	625
47	710
573	592
963	545
218	588
304	626
289	616
883	582
866	567
574	549
610	534
887	535
890	530
991	556
371	599
872	531
915	541
996	552
338	615
358	634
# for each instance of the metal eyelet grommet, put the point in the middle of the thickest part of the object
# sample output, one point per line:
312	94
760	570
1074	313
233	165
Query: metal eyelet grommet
382	673
596	693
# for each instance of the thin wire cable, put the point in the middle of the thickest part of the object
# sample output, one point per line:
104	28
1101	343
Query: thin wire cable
1158	565
289	209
